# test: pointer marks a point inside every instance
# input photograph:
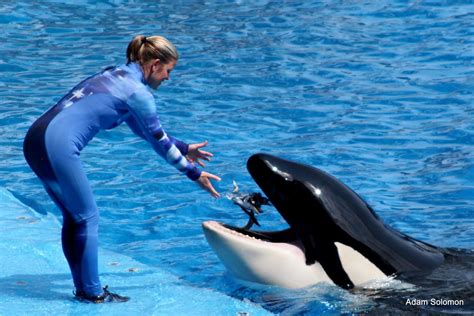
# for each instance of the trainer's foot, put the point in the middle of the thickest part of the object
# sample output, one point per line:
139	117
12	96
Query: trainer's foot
105	297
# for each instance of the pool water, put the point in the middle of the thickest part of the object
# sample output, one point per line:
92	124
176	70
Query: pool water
379	94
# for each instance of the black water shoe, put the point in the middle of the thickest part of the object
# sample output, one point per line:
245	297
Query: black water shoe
105	297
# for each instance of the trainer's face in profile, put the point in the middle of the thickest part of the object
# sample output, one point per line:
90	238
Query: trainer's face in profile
159	72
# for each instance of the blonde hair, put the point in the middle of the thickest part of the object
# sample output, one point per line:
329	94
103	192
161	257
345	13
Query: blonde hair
142	49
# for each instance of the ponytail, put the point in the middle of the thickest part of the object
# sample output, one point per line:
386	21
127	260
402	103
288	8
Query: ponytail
142	49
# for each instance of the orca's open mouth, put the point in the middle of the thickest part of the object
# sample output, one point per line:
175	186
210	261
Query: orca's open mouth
283	239
280	236
251	204
266	257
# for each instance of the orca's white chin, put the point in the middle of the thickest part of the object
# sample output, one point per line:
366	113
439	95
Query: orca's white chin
275	258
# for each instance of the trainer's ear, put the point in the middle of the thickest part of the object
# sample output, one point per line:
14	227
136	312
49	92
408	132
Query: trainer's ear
155	65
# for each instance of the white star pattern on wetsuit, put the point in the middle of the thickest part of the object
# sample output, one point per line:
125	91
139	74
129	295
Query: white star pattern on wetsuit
77	94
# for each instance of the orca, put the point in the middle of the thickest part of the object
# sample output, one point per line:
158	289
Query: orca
333	236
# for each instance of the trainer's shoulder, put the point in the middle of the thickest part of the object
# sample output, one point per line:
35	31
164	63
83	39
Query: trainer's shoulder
141	99
129	80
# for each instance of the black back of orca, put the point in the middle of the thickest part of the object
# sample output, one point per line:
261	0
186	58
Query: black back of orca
322	210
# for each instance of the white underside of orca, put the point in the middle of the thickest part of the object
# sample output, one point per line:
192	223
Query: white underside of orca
281	264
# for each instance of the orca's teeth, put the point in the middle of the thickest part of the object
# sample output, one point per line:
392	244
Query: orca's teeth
235	233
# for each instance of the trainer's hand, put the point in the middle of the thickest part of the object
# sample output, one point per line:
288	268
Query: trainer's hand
205	183
195	154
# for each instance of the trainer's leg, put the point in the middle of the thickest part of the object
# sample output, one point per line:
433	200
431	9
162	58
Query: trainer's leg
84	237
68	234
36	155
80	230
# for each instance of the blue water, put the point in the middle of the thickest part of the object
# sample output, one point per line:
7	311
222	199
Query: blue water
380	94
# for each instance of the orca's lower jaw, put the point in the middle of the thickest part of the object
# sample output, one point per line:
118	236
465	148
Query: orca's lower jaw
275	258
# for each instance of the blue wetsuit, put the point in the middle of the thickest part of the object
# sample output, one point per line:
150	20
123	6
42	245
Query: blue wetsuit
52	147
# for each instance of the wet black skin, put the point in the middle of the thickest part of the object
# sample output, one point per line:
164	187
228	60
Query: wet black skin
321	210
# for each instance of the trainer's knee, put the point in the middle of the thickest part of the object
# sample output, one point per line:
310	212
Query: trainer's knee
88	224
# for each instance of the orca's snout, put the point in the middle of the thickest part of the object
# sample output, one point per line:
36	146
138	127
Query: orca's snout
255	160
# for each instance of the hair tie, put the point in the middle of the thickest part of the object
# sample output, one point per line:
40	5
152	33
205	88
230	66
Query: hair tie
143	40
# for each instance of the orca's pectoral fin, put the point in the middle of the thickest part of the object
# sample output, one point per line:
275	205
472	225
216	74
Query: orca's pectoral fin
325	252
331	263
309	251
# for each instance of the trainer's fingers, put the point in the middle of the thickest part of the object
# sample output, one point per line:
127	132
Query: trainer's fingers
210	175
205	154
213	191
204	158
203	144
201	163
